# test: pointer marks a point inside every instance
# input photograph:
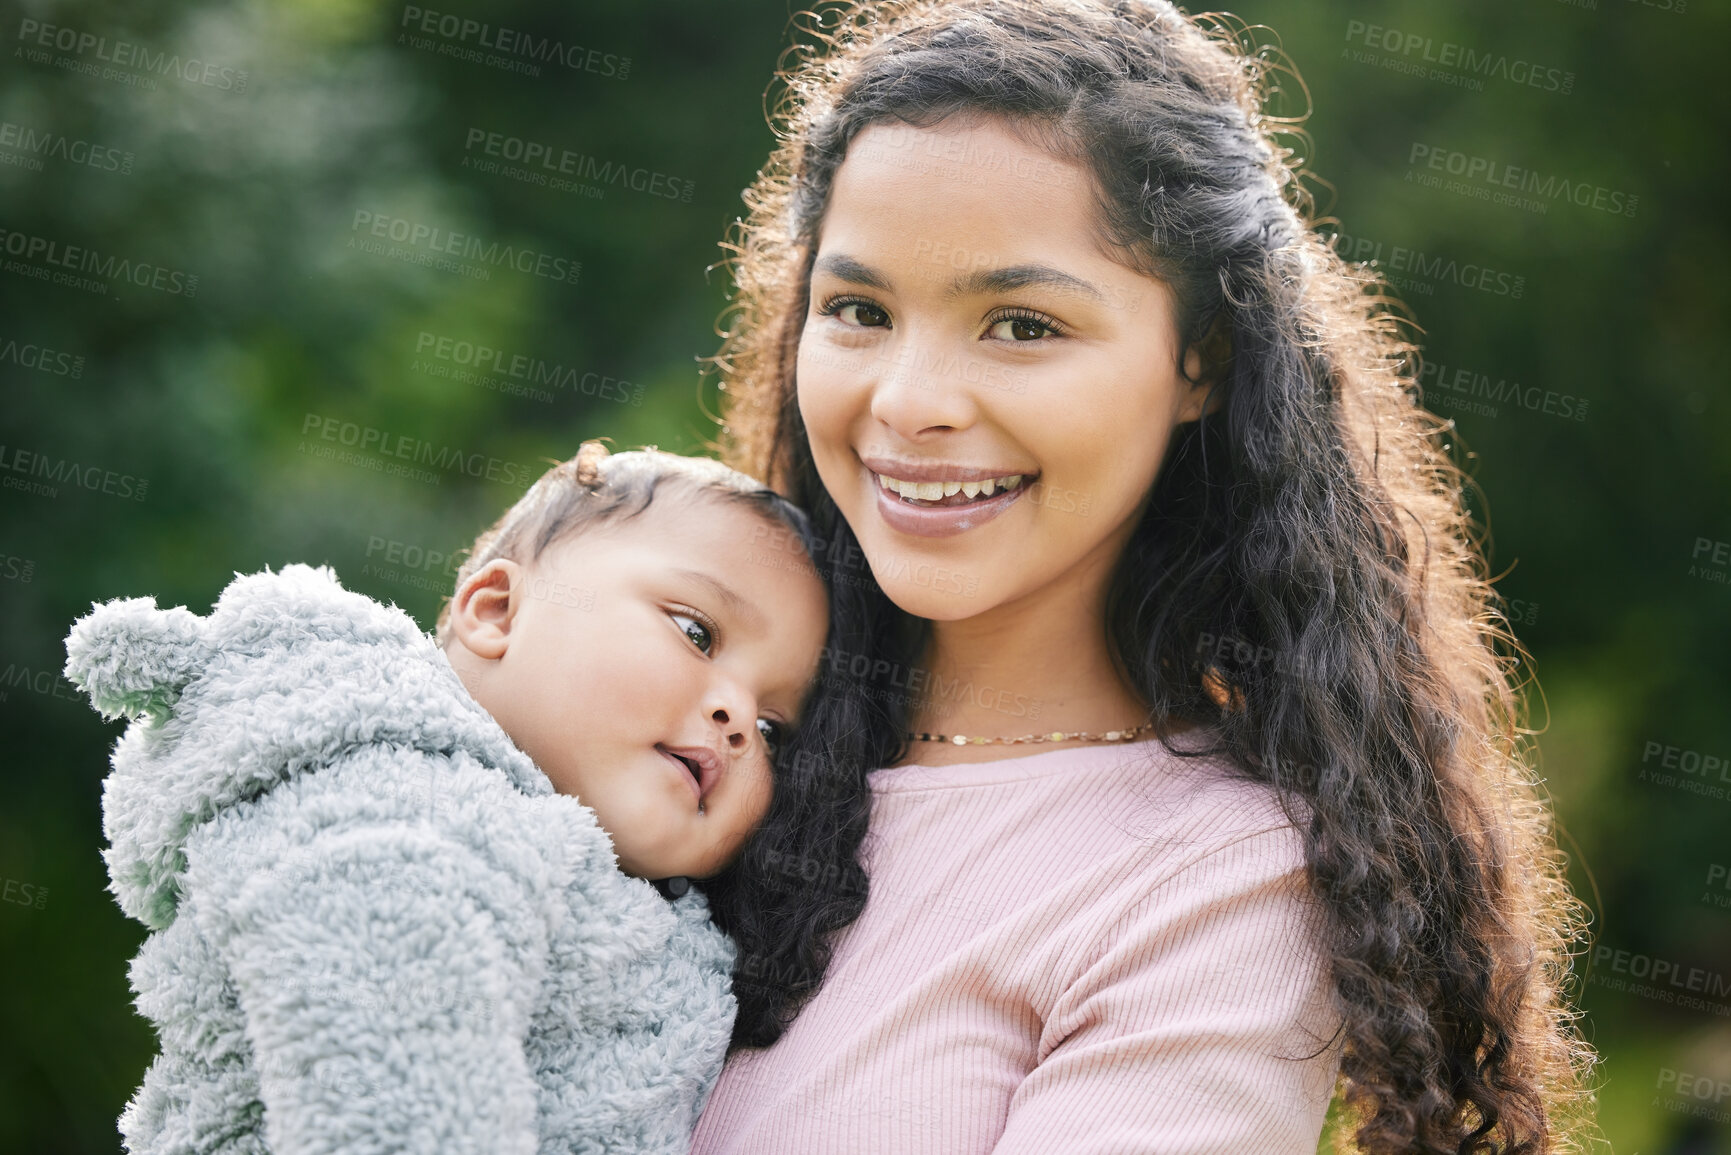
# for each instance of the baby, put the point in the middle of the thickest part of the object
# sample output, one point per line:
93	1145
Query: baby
403	892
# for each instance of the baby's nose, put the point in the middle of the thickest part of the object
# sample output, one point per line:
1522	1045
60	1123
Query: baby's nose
735	738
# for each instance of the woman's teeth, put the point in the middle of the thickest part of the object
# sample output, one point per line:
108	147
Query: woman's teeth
948	492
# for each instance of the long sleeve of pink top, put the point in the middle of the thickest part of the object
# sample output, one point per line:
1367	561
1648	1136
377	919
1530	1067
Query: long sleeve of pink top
1093	950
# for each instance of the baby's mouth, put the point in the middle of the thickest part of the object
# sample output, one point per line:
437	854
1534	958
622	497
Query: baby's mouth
689	763
941	494
701	763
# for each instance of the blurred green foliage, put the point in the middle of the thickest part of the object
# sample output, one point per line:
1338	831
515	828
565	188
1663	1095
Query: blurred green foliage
267	187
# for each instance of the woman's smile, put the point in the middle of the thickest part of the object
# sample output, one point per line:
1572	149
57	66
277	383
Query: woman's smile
945	516
938	499
942	398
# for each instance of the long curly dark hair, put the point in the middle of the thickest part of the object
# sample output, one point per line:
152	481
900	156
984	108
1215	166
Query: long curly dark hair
1305	580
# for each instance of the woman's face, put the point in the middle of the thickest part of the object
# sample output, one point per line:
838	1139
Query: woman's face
965	324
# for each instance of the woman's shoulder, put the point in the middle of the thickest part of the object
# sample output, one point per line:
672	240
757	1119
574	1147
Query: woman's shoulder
1204	851
1189	807
1188	787
1201	782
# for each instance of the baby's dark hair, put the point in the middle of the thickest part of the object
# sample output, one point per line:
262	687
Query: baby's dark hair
597	487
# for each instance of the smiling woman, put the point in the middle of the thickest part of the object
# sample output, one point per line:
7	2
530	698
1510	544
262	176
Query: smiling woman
1105	387
1032	318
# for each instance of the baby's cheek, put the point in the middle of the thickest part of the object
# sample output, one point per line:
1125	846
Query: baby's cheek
564	777
758	795
618	693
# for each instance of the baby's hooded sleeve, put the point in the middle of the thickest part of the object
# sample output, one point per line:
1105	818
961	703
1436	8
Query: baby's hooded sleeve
387	992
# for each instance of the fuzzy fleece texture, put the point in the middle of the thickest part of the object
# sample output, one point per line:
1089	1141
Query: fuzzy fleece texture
375	925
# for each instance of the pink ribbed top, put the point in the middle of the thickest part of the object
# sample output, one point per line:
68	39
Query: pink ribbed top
1088	950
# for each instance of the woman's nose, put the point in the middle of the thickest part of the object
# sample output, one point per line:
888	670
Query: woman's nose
919	387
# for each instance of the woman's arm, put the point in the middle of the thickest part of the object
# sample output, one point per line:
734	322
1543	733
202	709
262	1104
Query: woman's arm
1169	1041
387	994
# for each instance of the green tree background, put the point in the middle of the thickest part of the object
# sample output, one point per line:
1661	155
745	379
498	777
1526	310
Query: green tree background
252	146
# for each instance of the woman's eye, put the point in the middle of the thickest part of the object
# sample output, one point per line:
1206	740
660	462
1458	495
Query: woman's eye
866	316
860	314
773	733
695	630
1021	328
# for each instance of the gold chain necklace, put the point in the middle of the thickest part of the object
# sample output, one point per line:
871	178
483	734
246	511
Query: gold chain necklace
1054	736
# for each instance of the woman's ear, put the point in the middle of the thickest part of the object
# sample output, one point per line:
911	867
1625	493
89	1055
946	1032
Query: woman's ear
484	608
1204	371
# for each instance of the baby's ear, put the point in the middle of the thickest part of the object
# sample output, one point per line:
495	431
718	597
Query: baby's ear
132	658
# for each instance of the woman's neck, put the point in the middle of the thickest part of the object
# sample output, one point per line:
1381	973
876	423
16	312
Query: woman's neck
1032	666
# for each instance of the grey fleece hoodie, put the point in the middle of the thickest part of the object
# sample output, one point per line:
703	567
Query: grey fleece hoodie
375	925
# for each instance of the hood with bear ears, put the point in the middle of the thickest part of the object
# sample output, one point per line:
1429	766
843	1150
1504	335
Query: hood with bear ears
289	671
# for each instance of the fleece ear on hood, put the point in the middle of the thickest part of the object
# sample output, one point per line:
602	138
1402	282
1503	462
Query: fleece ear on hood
287	672
132	658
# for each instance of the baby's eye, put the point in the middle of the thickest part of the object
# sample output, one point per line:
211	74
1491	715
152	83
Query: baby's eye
774	733
695	630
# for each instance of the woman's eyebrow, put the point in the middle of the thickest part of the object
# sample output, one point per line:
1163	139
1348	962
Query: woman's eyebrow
1020	277
845	268
975	281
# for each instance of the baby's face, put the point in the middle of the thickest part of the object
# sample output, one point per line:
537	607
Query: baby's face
672	633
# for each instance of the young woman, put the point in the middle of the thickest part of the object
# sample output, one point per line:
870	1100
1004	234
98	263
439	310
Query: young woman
1125	495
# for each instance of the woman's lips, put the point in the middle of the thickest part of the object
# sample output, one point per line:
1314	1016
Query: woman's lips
940	521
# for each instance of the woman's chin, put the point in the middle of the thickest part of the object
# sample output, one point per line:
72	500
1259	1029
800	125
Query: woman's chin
923	599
